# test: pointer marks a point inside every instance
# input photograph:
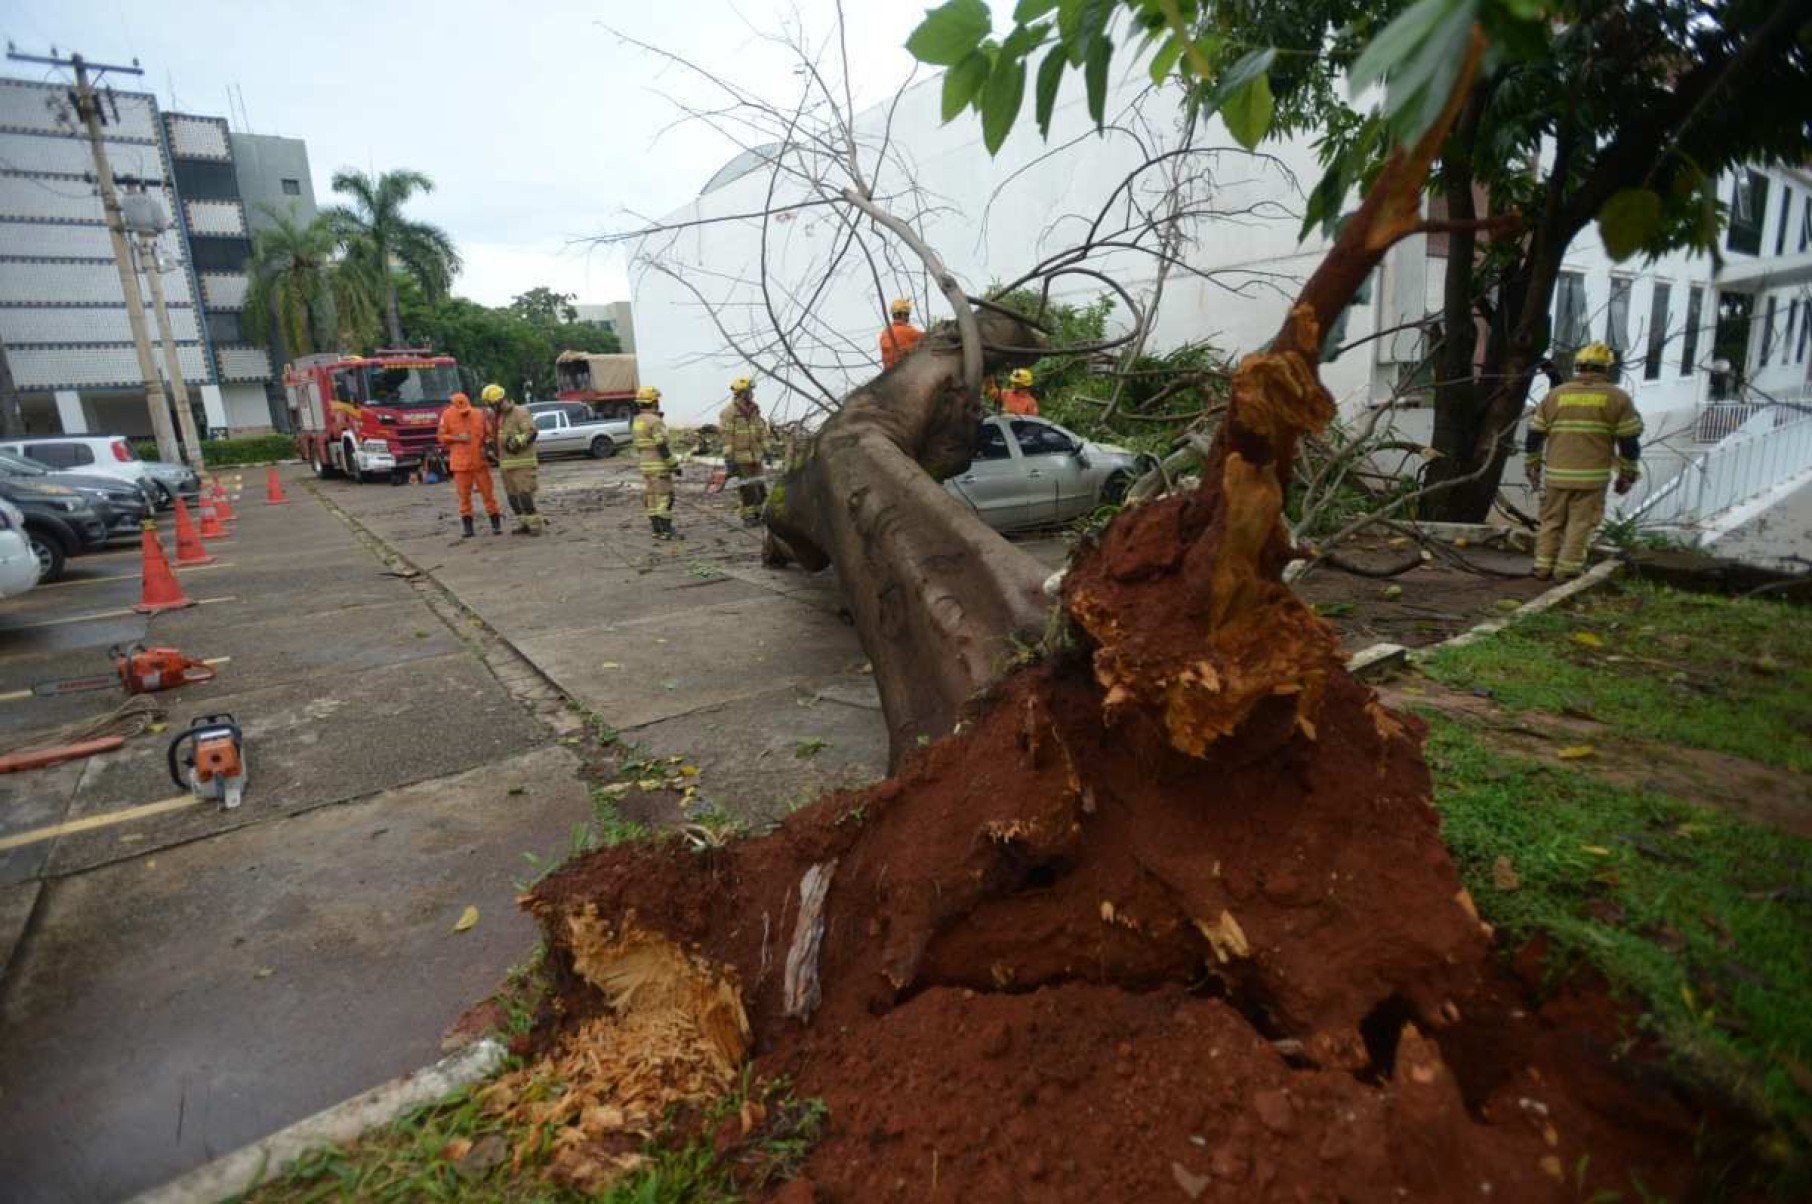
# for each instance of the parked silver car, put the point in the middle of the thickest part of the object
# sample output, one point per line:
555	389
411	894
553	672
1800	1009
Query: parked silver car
573	426
1030	472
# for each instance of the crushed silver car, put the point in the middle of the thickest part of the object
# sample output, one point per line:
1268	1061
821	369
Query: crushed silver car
1030	472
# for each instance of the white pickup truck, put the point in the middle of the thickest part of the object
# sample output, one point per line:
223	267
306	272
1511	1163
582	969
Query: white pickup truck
572	426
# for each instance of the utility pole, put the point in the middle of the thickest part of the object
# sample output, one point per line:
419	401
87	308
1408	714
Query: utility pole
88	108
185	415
12	416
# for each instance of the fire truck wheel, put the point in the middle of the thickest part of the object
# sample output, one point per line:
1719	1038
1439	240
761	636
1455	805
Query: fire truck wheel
352	466
323	467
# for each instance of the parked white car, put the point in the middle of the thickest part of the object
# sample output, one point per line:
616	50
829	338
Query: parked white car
572	426
105	456
19	566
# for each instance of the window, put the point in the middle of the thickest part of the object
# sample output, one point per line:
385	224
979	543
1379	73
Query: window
224	326
292	188
1570	330
1617	315
1780	229
1695	310
547	421
991	444
1805	223
1038	439
1657	330
1805	333
1748	204
200	180
210	254
60	455
1787	338
1768	333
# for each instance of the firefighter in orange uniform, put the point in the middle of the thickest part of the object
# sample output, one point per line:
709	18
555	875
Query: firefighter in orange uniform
1019	399
900	335
464	429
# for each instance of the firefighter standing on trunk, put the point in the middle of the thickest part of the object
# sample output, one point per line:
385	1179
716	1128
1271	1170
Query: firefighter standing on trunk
1581	432
747	441
655	459
516	458
464	431
899	336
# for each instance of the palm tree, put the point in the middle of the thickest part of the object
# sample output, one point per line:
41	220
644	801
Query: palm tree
376	237
298	284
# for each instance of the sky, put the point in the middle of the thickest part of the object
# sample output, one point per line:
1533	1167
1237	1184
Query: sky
539	125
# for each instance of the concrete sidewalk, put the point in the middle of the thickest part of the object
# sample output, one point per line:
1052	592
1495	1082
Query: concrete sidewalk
687	648
180	984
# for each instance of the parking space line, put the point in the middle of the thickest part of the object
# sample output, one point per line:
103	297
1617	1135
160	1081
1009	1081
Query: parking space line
181	568
91	822
95	615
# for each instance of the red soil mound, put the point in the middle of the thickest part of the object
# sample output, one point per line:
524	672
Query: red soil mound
1068	962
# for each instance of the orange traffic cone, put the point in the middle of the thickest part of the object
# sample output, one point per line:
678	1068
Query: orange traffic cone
222	506
188	544
210	522
273	489
160	591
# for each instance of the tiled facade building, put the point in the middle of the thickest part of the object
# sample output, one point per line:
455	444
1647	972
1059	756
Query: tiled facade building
62	316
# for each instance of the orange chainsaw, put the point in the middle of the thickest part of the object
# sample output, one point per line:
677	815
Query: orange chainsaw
214	767
145	670
137	670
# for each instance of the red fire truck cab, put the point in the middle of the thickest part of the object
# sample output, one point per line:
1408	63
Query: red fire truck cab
368	417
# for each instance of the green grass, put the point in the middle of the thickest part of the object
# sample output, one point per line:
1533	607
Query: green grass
407	1160
1723	674
1700	919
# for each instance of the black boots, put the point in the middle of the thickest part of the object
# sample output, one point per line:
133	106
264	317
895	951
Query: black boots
496	524
663	527
466	521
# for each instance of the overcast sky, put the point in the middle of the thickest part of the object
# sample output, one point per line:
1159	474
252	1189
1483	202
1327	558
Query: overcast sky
536	122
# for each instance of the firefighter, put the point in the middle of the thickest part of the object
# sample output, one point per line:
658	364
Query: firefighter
1018	399
899	336
464	430
1582	432
516	459
747	441
655	459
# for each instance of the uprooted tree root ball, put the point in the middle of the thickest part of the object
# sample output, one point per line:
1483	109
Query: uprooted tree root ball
1061	960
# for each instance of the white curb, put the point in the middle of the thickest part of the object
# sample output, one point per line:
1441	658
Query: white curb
265	1159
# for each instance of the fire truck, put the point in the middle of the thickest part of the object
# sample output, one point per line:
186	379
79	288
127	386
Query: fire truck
368	417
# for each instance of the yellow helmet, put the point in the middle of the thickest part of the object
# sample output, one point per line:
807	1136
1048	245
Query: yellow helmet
1021	378
900	306
647	395
1594	355
492	395
741	384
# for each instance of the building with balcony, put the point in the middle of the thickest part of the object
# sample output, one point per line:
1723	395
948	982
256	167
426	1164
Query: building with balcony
63	321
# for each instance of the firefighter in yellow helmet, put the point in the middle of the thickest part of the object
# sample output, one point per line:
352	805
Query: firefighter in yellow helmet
516	458
899	335
656	460
1018	399
1582	432
747	441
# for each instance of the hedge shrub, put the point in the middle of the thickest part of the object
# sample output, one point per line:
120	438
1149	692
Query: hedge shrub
225	453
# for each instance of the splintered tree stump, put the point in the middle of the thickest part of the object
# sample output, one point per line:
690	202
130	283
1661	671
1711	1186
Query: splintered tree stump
1171	908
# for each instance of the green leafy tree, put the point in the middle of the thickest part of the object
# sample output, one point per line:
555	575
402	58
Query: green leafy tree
299	289
1630	109
379	238
542	306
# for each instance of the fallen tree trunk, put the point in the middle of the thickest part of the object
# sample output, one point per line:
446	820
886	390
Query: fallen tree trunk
937	594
